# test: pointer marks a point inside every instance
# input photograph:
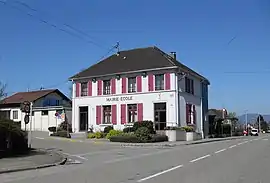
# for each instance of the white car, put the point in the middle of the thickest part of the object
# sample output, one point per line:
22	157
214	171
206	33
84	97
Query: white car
254	132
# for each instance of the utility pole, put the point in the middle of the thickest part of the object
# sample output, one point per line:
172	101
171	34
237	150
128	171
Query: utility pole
259	130
246	120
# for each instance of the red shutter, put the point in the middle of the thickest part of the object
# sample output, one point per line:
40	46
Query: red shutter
150	82
114	115
188	116
167	81
123	113
139	83
98	115
113	87
140	112
90	88
78	85
194	114
99	87
124	85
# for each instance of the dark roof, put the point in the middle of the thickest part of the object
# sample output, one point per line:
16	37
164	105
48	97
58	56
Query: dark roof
31	96
132	61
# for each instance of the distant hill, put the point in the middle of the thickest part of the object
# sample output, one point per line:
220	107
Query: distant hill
252	117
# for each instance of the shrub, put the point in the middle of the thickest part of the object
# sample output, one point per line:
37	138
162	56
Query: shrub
107	129
52	129
114	133
63	127
147	124
158	138
91	135
132	138
61	134
143	133
128	129
97	135
187	128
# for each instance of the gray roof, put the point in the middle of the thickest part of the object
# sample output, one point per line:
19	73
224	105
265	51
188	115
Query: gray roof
131	61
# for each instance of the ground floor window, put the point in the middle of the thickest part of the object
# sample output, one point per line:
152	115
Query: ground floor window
83	118
107	114
132	113
190	114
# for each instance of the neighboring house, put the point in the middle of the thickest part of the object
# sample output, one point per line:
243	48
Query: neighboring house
135	85
45	105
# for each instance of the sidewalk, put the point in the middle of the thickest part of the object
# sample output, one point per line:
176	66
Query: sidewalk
36	159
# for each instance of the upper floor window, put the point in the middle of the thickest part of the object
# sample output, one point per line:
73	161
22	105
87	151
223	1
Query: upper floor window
84	89
159	82
132	85
106	87
44	113
189	83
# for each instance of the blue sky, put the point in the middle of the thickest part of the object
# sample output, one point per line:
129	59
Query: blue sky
35	54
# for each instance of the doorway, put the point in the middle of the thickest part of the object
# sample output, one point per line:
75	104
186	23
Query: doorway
83	118
160	114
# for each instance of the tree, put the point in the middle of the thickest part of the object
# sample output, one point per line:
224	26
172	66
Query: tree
232	115
3	93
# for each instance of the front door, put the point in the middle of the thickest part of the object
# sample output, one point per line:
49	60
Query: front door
83	118
160	116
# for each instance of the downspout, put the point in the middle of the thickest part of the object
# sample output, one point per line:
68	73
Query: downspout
177	113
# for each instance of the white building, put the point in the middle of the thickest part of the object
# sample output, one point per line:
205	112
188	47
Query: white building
139	84
45	105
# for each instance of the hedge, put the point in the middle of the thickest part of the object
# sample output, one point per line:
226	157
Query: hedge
134	139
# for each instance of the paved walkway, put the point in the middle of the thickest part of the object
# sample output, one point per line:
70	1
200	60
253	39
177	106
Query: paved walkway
36	159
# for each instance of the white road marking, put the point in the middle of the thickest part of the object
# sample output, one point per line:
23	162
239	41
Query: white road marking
264	139
40	138
74	155
160	173
257	139
232	146
244	142
200	158
220	151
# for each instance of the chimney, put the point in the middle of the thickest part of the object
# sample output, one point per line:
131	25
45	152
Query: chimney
173	55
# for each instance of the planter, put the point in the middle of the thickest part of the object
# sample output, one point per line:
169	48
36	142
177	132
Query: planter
180	135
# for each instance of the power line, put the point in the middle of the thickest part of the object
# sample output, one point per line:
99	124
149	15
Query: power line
51	24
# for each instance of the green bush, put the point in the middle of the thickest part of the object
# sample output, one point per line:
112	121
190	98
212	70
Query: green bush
107	129
61	134
147	124
97	135
128	129
114	133
158	138
143	133
132	138
63	127
187	128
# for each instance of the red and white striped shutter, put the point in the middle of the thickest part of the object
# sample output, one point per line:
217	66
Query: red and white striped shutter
98	115
124	85
114	115
123	113
140	112
167	81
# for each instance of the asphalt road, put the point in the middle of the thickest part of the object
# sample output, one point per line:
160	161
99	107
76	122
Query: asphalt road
244	160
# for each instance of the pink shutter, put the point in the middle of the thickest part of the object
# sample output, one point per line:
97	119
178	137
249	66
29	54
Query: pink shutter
123	113
98	115
167	81
139	83
194	114
124	85
187	114
90	88
99	87
150	82
78	85
140	112
113	86
114	115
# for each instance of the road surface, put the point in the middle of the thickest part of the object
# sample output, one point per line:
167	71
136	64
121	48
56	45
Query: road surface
245	160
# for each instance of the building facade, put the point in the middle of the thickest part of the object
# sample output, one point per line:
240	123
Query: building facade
166	92
45	105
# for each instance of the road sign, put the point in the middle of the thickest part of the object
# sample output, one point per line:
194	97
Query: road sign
26	119
25	106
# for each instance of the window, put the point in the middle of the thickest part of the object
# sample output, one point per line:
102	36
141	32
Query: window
15	114
107	114
84	89
159	82
57	102
107	87
132	85
189	85
132	113
44	113
33	113
190	114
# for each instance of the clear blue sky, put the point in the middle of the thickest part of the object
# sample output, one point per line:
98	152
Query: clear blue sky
34	54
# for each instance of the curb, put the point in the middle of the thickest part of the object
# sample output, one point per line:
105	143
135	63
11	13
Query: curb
62	162
174	144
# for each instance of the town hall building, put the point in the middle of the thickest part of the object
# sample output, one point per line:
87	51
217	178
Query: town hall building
136	85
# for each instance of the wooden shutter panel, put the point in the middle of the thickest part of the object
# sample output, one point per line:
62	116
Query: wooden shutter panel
140	112
123	113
